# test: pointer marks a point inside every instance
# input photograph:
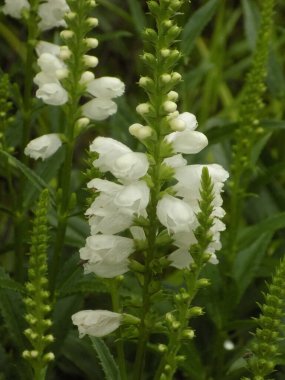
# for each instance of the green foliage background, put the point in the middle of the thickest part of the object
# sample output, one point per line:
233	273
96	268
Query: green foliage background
217	42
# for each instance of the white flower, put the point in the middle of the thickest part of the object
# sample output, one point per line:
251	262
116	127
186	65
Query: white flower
108	150
113	210
188	142
96	323
175	214
99	109
107	255
47	47
130	166
43	147
52	14
117	158
189	181
175	161
50	63
52	93
106	87
180	259
14	8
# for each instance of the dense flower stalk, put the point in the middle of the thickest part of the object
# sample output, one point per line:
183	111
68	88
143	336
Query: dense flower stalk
63	80
265	344
37	300
249	120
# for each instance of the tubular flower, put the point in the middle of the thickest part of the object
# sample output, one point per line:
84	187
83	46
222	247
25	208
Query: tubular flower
43	147
96	323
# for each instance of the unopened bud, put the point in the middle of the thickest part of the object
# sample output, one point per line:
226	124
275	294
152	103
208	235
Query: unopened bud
91	43
64	53
143	108
66	34
165	52
173	95
82	122
144	133
90	60
86	77
177	125
162	347
70	15
165	78
169	106
176	76
92	21
49	357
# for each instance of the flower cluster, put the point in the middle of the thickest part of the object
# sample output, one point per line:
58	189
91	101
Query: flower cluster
64	76
50	12
132	211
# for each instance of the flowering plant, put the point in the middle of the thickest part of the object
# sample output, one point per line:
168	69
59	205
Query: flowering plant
141	190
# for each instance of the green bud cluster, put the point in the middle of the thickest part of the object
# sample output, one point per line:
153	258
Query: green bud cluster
37	301
265	345
74	53
252	103
5	109
178	320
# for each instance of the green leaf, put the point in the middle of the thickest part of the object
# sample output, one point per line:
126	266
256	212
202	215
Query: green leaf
9	283
250	22
106	359
196	24
11	308
250	234
36	180
82	355
137	15
248	261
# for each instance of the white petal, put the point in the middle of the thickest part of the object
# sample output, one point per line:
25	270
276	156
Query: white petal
175	214
53	94
47	47
96	323
49	63
188	142
99	109
43	147
180	258
130	166
14	8
106	87
175	161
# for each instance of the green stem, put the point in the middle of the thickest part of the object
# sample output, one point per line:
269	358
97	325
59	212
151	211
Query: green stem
119	342
20	220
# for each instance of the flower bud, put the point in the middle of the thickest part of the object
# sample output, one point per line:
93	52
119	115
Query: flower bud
173	95
169	106
70	15
162	347
177	125
49	357
64	53
176	77
165	52
144	133
188	334
82	122
87	77
143	108
91	43
66	34
92	22
134	129
165	78
90	60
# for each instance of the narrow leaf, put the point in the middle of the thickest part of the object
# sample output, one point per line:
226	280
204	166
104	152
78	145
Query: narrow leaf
106	359
196	24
